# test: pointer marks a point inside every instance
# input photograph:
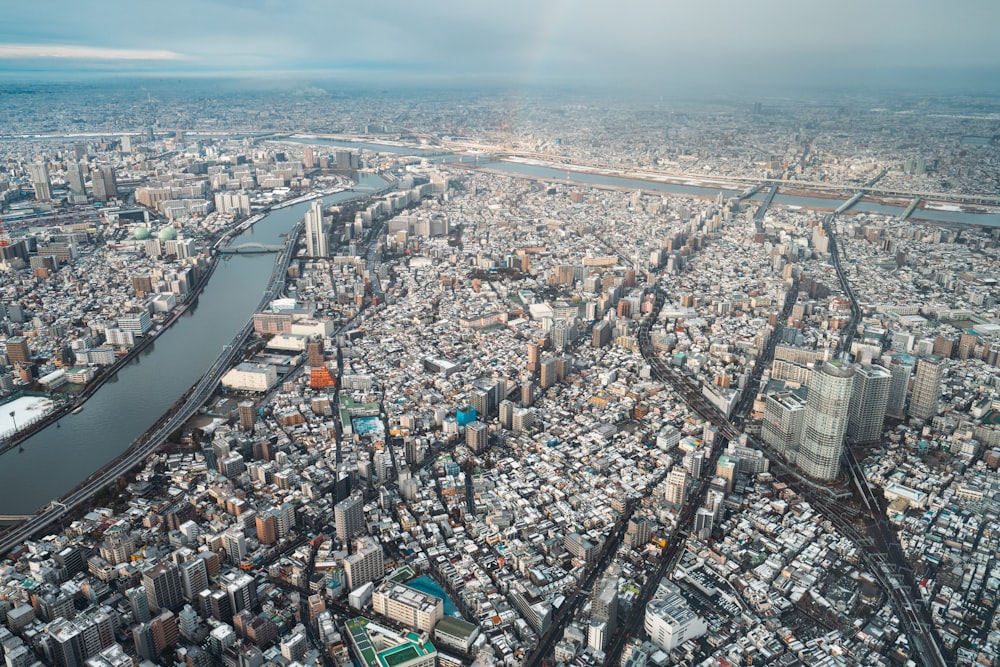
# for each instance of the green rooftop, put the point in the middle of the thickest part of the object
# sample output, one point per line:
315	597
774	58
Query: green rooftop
386	648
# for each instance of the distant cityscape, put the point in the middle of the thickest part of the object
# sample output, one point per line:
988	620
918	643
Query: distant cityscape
322	377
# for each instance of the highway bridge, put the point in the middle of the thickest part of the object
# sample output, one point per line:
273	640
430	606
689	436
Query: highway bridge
250	248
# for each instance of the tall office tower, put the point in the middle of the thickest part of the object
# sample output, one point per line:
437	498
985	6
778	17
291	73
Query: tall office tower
105	183
308	157
869	399
317	244
74	174
39	173
782	427
349	517
477	436
926	388
676	491
163	586
825	421
900	368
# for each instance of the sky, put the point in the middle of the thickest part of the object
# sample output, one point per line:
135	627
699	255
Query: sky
637	43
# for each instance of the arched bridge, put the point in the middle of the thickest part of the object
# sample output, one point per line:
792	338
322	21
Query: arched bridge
249	248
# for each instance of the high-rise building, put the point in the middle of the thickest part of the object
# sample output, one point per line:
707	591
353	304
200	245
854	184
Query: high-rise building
601	334
507	414
235	544
105	183
604	603
522	420
68	648
825	421
926	388
194	577
139	603
639	532
248	415
479	398
869	398
534	355
782	426
704	520
967	343
477	436
900	370
676	491
314	352
266	530
550	372
241	590
163	586
74	174
39	173
317	243
153	638
308	157
527	392
365	564
18	351
943	346
349	517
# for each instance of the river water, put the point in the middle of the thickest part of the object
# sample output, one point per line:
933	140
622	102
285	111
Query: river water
585	178
56	459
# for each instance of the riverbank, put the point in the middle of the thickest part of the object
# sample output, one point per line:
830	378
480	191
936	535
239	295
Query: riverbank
79	401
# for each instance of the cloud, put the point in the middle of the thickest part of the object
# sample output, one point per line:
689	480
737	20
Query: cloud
70	51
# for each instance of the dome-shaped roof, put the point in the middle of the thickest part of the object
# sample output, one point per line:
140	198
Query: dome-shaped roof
140	233
167	234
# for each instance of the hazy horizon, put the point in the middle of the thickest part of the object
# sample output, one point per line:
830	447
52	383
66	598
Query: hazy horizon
772	45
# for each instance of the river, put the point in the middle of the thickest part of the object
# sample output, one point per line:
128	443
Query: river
587	178
56	459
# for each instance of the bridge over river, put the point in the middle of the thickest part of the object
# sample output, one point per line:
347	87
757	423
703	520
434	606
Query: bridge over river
249	249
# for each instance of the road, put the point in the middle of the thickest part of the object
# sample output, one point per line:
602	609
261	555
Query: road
158	434
886	560
879	551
